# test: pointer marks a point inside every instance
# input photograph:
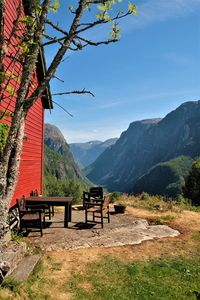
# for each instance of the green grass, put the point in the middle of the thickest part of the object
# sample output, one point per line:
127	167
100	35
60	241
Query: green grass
11	284
159	203
112	279
157	279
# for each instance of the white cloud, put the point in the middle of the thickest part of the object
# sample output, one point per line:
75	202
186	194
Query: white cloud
81	136
153	11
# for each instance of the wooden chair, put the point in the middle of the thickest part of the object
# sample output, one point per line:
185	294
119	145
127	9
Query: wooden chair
98	210
34	218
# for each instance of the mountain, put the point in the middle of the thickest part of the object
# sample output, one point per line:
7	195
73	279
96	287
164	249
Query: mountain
166	178
87	153
145	144
60	169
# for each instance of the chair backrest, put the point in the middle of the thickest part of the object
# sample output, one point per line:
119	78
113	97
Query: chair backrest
96	192
34	193
106	200
86	197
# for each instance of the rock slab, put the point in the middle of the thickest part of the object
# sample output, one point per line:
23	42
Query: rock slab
26	267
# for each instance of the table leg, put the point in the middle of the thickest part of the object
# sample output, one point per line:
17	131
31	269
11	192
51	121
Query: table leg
70	212
66	217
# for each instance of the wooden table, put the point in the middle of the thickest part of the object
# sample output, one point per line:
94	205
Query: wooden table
54	201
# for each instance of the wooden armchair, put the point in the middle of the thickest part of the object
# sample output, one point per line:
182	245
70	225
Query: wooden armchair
99	210
34	218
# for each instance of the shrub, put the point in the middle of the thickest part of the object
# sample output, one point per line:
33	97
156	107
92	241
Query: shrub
115	196
144	196
192	186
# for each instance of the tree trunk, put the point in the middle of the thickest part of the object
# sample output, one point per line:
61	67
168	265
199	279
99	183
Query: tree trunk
9	179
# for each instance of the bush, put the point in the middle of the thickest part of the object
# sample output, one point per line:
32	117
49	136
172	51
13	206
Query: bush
192	186
115	196
144	196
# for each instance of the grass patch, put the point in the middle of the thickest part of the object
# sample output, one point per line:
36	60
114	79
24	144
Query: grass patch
17	236
196	236
157	279
161	220
35	288
11	284
159	203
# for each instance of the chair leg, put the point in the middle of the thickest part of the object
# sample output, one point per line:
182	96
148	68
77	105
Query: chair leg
52	210
49	212
44	224
101	218
93	216
86	215
108	217
41	232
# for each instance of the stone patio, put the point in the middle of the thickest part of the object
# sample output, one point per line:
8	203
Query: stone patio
124	229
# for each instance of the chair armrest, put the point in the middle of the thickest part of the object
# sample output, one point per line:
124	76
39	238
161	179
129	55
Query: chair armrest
95	200
93	204
87	193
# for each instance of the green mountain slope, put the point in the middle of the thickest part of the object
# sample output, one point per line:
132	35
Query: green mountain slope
62	175
165	178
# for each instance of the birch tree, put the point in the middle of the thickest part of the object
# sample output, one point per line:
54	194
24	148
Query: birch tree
34	36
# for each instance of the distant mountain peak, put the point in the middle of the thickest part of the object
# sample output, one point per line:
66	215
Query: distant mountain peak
87	153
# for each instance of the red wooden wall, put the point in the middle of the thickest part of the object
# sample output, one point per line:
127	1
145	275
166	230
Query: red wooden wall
31	164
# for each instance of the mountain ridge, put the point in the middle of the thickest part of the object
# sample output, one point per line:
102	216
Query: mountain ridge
146	143
87	153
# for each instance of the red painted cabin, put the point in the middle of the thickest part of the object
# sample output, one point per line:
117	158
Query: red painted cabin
31	164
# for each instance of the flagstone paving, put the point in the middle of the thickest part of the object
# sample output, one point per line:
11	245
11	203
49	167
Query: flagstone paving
124	229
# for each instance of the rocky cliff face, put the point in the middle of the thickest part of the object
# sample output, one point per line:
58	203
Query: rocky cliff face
87	153
147	143
59	160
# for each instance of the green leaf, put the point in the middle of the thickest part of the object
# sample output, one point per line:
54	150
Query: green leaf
10	90
102	7
54	7
132	8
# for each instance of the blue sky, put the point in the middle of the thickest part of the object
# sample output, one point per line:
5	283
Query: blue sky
148	73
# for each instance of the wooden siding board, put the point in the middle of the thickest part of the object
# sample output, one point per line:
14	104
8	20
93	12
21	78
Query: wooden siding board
30	170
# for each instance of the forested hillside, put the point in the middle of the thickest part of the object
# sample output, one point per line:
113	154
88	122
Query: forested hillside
62	176
166	178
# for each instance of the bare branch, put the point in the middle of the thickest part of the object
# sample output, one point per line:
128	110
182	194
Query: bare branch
58	78
56	27
63	108
91	43
74	92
